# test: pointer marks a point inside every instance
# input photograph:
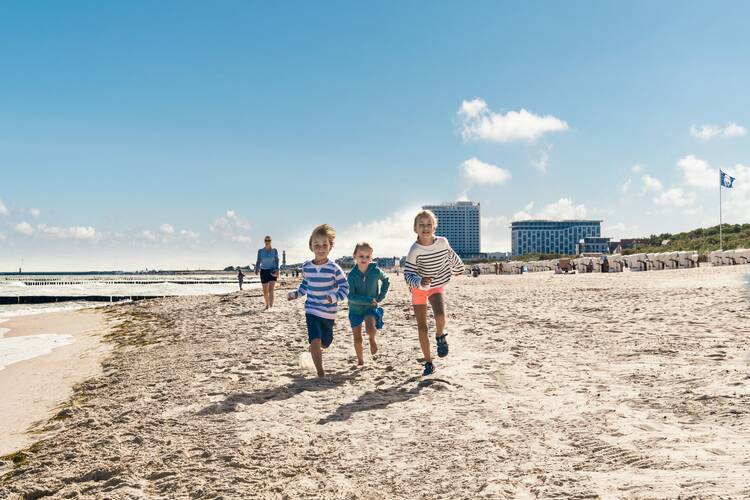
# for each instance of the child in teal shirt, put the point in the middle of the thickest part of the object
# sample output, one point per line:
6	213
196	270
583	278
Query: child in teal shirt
364	297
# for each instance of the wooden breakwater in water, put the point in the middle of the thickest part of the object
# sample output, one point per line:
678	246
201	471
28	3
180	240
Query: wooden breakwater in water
46	299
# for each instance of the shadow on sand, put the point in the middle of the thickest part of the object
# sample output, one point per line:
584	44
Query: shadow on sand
382	398
296	386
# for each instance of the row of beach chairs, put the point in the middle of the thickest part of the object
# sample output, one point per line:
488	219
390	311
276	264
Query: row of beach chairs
619	263
729	257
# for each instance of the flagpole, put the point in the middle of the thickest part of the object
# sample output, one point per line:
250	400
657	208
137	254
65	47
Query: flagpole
721	235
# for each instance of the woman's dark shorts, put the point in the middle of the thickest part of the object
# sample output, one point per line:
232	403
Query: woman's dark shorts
266	275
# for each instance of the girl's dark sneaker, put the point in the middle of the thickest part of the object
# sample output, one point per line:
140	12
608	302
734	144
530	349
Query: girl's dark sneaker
442	346
429	369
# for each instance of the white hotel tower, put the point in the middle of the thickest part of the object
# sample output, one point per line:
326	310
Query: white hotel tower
459	222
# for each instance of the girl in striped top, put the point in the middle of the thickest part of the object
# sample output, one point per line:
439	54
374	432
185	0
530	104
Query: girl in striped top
429	266
324	284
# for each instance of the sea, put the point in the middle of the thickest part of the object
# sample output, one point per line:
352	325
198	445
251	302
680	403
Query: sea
25	294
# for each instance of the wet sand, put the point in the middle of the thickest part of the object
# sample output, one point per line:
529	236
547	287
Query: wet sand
32	388
628	385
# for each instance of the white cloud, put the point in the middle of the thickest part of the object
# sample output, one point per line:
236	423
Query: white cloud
496	234
736	201
625	188
167	229
734	130
705	132
2	236
191	235
76	232
232	226
637	169
478	123
24	228
390	236
3	208
675	197
698	173
475	171
708	132
147	235
237	220
562	209
35	212
650	184
543	161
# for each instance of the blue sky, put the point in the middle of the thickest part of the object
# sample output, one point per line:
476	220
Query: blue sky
178	134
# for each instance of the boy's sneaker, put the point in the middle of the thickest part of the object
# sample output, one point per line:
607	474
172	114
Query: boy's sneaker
442	346
429	369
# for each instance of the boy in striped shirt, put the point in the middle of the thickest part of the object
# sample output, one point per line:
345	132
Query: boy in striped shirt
429	266
325	285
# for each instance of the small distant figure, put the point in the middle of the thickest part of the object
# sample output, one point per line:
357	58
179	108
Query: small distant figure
240	277
429	266
365	295
325	285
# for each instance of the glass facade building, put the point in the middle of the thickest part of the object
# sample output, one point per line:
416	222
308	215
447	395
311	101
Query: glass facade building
459	222
551	236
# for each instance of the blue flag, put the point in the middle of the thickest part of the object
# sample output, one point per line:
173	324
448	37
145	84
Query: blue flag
726	180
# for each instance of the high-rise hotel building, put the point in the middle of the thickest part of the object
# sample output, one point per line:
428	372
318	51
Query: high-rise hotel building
550	236
459	222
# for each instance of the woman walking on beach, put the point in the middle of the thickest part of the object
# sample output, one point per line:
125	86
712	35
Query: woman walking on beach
267	265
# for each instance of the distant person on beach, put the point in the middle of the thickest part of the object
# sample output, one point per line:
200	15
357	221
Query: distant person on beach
429	266
267	265
365	295
325	285
240	277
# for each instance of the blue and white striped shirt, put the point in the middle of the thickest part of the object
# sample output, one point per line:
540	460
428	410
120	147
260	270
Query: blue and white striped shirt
319	282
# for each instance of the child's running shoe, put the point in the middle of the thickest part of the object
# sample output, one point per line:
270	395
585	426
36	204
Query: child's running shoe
442	346
429	369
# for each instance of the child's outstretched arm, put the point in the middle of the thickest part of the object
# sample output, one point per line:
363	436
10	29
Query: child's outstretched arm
386	284
343	286
411	274
299	292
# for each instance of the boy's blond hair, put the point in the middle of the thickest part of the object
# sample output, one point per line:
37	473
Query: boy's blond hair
425	213
362	244
323	230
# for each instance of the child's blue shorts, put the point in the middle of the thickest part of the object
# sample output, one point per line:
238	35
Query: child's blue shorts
319	328
356	319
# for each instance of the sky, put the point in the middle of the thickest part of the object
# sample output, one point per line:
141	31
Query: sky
176	135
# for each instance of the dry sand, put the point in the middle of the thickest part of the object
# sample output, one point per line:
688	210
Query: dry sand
626	385
30	389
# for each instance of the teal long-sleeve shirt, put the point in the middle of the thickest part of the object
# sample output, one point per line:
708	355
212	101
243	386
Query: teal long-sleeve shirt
363	288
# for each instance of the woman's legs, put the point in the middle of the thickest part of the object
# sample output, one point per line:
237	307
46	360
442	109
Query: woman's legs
265	294
357	334
371	332
420	311
271	286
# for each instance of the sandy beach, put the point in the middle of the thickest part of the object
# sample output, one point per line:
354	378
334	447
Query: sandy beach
32	388
631	385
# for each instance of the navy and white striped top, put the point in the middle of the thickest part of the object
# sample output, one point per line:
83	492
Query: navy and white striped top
320	282
437	261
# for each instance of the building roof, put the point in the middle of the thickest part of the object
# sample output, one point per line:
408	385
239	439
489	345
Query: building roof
554	221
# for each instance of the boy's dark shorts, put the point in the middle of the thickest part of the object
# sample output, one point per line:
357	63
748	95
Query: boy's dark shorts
319	328
266	275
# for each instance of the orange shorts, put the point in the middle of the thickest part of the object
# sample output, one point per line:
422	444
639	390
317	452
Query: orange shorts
419	297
